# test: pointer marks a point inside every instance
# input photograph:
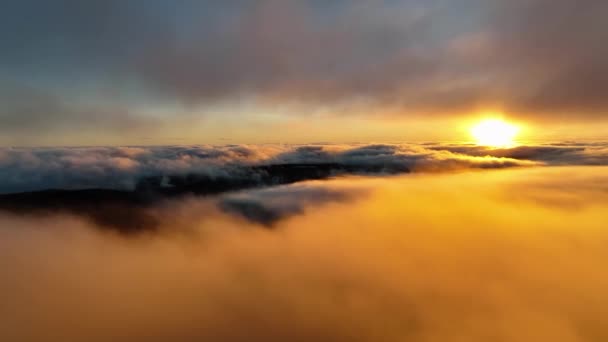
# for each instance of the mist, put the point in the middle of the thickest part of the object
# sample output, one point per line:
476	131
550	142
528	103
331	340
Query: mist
504	255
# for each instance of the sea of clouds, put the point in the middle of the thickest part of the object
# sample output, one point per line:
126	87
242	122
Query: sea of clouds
471	244
503	255
31	169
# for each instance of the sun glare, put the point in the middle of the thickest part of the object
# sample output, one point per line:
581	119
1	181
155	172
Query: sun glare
494	133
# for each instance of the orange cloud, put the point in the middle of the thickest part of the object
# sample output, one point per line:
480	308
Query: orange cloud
473	256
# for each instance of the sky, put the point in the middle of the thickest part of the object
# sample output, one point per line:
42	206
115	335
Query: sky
304	170
164	72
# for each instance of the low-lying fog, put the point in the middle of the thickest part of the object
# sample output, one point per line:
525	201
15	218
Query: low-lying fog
499	255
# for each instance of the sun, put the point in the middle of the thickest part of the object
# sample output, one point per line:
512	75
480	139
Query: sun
494	133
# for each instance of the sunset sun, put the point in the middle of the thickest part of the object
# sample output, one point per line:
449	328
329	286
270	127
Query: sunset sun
494	133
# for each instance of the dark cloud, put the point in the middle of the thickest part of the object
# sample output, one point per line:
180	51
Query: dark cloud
552	54
217	167
32	112
231	167
124	212
137	213
536	57
289	50
26	169
267	207
121	188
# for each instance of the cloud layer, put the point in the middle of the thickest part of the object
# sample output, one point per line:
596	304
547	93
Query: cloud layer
107	63
468	256
30	169
122	188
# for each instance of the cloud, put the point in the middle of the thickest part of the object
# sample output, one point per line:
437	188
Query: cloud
420	258
552	154
553	53
539	59
269	206
539	190
122	188
38	112
126	168
26	169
